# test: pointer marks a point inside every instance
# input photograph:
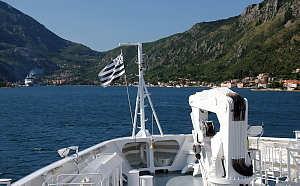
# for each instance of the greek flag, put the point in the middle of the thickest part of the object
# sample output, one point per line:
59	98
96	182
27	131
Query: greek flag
112	71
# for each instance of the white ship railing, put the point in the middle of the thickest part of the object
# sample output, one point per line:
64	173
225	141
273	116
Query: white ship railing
105	170
293	150
280	158
297	134
5	181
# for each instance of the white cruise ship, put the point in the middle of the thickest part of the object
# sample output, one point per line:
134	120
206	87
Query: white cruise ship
29	80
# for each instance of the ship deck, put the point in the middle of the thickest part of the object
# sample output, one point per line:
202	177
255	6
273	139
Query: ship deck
174	178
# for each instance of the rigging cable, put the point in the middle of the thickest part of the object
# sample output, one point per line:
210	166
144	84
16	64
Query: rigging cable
130	108
127	91
152	123
129	103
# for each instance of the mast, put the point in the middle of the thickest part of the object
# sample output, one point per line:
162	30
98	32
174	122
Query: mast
142	93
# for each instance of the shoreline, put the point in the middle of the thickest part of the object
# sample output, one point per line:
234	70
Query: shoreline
275	89
251	89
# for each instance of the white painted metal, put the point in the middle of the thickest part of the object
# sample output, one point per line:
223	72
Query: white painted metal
280	158
146	180
297	134
5	181
293	151
133	177
142	93
227	145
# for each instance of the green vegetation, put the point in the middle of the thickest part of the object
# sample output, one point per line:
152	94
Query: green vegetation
3	84
229	51
275	84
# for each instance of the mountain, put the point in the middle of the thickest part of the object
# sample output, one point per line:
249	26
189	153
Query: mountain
265	38
27	46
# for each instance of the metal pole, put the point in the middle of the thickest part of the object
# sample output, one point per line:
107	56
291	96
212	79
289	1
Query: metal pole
141	94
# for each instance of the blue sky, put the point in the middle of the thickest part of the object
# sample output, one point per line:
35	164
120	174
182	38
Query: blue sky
102	24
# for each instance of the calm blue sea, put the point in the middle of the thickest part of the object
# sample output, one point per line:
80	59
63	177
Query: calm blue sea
37	121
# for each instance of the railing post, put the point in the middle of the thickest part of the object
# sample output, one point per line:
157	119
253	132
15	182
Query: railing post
297	134
289	165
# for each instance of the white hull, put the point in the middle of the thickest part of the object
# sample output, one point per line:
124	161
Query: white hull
171	152
29	84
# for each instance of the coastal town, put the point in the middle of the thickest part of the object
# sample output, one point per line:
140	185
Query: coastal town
261	82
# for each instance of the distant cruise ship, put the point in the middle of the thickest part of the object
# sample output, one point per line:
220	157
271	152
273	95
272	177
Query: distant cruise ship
29	80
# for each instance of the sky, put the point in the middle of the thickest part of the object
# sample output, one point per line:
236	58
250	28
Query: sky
102	24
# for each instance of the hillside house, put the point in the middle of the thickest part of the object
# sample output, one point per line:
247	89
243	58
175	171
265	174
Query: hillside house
297	70
240	85
291	85
229	84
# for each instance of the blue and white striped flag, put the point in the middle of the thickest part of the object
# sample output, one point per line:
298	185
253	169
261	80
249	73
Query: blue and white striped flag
112	71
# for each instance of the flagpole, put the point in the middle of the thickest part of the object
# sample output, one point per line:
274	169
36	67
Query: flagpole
141	94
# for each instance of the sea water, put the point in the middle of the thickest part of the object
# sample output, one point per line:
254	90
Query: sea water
37	121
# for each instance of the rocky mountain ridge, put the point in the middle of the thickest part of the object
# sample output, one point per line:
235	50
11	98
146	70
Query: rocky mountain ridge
268	10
